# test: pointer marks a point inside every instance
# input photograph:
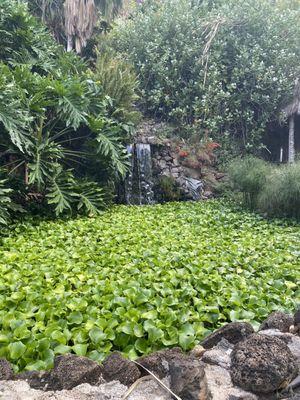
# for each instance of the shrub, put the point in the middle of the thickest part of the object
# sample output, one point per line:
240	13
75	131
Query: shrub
280	195
120	83
249	175
168	189
222	67
57	124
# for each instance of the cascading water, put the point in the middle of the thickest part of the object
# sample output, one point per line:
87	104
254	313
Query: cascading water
139	185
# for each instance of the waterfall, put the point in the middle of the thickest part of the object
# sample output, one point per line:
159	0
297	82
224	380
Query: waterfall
139	185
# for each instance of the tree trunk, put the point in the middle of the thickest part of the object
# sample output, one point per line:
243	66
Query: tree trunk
69	43
291	157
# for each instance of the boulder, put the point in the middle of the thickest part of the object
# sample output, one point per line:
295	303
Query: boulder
118	368
262	364
71	370
149	389
6	371
186	377
278	320
234	332
158	362
295	328
292	341
219	355
217	385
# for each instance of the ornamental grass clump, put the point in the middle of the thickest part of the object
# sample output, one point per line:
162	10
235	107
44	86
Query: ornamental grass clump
248	176
280	195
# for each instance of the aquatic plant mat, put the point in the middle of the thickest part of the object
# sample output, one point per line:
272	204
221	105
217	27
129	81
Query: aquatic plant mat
137	279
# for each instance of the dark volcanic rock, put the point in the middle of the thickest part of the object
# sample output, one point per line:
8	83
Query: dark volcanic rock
158	362
278	320
296	327
292	341
70	370
118	368
187	377
6	371
36	379
262	364
234	332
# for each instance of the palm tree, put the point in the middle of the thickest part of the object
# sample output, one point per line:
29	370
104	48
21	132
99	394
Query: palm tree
73	21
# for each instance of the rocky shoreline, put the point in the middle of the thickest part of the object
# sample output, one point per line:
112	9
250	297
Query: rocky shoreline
232	363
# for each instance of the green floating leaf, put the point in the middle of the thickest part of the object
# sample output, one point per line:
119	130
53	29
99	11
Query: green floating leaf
62	349
80	349
75	318
16	350
97	335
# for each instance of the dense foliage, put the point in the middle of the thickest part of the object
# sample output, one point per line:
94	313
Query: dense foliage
140	278
223	67
60	137
273	190
249	176
53	13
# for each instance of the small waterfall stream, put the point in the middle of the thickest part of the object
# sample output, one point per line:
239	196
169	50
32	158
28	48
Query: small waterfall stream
139	184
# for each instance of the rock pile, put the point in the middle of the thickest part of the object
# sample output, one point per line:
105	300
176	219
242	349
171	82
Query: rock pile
233	363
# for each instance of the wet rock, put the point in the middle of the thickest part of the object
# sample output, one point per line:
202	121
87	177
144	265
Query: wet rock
186	378
234	332
219	355
158	362
292	341
118	368
217	385
262	364
70	370
6	371
278	320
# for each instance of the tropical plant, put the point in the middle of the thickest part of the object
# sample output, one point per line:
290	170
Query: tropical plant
6	205
280	195
73	21
120	83
249	175
221	67
54	117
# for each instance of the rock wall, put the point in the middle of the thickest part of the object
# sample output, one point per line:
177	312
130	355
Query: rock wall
193	179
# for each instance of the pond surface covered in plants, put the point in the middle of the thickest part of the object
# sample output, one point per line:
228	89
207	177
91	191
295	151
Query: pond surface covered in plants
140	278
